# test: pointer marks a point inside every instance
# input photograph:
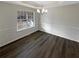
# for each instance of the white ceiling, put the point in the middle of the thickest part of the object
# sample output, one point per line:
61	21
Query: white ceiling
43	4
47	4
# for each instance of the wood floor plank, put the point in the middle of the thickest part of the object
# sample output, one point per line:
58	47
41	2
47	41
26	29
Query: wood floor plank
57	50
32	47
41	45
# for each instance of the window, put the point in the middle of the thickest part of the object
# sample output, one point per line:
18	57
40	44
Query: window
25	20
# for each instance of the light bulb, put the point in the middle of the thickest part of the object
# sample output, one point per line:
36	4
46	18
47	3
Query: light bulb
46	10
43	10
38	10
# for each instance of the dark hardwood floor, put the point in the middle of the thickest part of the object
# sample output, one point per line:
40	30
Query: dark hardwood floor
41	45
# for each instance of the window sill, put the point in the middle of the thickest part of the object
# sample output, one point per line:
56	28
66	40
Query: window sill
24	28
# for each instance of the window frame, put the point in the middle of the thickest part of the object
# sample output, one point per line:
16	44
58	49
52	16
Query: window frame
24	28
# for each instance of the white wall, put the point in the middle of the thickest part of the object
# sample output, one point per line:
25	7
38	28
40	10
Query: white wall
62	21
8	23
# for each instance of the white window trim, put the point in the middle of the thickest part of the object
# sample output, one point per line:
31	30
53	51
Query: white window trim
28	27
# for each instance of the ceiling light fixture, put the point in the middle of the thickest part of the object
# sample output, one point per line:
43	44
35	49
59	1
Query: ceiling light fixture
42	10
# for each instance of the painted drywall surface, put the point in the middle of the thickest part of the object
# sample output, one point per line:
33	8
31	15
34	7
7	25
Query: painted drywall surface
62	21
8	23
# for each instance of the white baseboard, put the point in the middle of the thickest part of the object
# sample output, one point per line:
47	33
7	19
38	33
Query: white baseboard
61	36
17	38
